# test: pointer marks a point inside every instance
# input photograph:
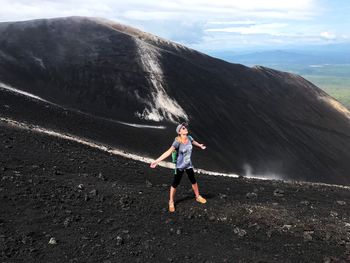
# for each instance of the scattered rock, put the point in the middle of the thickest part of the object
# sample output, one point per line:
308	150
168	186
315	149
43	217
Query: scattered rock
278	193
308	235
304	202
222	218
286	227
148	183
120	240
58	172
327	236
93	192
26	240
212	218
190	216
333	214
240	232
100	176
52	241
67	222
80	186
125	202
251	195
269	233
222	196
341	202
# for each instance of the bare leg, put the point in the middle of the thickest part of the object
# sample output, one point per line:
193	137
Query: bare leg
195	189
172	194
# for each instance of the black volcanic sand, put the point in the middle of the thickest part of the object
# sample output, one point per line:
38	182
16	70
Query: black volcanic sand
105	208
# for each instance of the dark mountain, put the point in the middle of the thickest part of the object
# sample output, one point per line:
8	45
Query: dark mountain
96	78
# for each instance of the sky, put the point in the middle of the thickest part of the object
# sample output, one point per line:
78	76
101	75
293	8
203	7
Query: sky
208	25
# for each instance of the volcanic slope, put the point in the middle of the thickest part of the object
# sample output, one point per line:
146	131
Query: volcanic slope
269	121
61	201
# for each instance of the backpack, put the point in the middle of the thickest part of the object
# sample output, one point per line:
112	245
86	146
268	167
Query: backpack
174	154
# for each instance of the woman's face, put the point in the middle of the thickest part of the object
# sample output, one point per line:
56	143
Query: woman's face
183	130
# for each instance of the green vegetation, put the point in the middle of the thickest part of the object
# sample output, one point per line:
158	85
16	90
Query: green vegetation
337	87
334	79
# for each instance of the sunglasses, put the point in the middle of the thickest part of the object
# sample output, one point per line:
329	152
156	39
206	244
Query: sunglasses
184	125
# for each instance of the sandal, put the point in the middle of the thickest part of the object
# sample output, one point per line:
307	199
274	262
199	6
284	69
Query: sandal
171	207
201	200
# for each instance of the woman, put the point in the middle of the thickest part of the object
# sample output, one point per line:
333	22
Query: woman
184	145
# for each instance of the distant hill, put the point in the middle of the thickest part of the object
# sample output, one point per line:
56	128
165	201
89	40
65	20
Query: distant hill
326	55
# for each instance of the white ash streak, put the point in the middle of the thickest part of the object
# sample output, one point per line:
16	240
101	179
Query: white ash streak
32	96
105	148
162	105
27	94
96	145
40	62
142	125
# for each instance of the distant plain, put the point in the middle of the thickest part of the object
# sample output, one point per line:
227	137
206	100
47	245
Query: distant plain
334	79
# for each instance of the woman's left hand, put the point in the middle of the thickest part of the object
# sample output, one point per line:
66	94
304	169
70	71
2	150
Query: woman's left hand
202	146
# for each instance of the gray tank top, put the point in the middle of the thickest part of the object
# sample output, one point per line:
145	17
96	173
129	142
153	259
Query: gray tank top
184	154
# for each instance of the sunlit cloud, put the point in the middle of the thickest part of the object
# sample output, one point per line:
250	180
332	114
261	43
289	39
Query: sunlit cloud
241	22
328	35
271	29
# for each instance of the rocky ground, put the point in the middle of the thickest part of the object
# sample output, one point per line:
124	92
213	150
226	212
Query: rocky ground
66	202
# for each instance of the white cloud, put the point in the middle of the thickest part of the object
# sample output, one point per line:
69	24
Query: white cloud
152	15
271	29
238	22
197	23
328	35
152	9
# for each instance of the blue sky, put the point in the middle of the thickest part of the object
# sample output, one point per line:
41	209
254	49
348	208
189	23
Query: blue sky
208	25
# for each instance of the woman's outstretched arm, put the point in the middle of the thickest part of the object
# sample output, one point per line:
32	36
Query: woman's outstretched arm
200	145
162	157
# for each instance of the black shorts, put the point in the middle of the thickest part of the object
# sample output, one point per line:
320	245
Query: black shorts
178	176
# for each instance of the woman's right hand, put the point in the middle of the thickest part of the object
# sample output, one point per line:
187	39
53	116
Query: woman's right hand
153	165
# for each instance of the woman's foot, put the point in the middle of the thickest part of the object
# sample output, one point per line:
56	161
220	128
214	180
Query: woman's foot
201	200
171	207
